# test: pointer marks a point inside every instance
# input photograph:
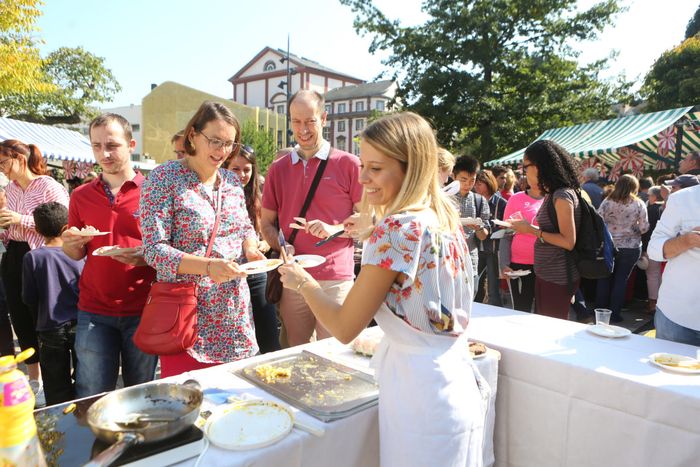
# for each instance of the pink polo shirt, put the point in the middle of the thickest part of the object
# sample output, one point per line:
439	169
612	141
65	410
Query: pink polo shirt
286	185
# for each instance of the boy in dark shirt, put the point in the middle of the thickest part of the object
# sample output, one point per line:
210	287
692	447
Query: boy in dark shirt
50	290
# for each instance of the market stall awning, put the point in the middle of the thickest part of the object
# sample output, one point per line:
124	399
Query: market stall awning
633	141
55	143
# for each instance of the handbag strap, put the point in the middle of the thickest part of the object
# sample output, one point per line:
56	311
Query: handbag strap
215	229
310	194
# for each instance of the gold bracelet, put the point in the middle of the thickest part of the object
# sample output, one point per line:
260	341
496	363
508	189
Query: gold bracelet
301	284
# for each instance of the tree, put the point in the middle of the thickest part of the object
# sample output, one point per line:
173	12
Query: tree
20	63
80	79
693	25
674	79
262	142
493	74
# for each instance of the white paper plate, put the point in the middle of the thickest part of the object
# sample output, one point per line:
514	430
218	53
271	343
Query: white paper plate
248	425
608	331
115	250
83	233
260	266
501	223
472	221
309	261
667	361
518	273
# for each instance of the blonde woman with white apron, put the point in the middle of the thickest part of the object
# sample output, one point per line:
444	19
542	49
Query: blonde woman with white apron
416	281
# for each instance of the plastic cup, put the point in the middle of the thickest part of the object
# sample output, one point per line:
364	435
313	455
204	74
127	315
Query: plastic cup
602	316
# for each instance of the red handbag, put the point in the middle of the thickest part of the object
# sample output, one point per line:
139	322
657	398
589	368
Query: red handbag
169	320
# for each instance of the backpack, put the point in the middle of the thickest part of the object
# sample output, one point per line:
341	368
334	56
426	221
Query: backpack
594	252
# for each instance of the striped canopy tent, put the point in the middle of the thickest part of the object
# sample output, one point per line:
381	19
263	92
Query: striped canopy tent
653	140
66	148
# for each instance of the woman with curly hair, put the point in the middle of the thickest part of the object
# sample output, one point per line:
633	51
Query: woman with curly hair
557	278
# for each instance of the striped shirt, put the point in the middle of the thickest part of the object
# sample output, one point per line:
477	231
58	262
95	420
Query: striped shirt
42	189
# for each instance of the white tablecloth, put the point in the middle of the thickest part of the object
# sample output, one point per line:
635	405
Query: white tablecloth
351	442
567	397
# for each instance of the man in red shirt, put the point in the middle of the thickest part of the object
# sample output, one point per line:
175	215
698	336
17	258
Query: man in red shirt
112	293
286	185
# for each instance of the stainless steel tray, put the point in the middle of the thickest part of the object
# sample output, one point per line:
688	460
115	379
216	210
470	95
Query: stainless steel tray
320	387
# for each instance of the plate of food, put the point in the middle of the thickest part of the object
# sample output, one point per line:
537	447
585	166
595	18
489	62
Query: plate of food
116	250
607	330
518	273
675	362
87	231
473	221
260	266
309	261
249	425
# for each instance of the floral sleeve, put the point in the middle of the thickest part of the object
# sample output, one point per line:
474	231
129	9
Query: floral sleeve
157	200
395	245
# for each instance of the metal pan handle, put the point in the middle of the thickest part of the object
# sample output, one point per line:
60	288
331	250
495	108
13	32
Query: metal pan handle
112	453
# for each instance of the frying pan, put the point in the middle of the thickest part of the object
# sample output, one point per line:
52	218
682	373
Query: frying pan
178	403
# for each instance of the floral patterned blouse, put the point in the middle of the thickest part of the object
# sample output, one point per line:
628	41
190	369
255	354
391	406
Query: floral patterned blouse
436	295
626	221
177	217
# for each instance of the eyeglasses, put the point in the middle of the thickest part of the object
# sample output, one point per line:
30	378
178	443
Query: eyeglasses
525	166
4	164
216	144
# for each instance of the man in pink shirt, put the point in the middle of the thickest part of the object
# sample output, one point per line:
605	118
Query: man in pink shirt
286	186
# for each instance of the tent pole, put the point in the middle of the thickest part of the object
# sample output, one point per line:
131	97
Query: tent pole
679	143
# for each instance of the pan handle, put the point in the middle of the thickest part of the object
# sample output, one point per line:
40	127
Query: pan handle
112	453
193	383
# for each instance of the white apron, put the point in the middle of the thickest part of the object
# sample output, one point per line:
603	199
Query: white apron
432	399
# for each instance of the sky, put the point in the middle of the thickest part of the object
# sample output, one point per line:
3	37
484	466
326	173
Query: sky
203	43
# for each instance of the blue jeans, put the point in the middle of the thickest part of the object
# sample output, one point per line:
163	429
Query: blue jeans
264	315
100	343
610	292
670	331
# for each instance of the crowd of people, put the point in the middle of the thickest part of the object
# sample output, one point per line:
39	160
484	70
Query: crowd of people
432	245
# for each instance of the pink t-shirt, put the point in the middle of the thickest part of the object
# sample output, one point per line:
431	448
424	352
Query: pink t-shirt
522	250
286	186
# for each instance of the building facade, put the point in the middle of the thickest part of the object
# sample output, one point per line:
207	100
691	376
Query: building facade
350	107
259	82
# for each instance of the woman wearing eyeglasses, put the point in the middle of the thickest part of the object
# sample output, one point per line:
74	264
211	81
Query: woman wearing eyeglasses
244	164
553	170
178	206
29	187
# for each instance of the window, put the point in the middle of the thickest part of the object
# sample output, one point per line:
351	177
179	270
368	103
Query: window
326	133
359	124
341	126
341	108
340	143
328	109
359	106
269	66
135	127
280	141
379	106
280	109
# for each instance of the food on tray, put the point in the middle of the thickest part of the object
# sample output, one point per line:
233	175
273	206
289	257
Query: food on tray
477	348
271	374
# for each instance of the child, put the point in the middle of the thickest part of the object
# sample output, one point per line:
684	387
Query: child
50	290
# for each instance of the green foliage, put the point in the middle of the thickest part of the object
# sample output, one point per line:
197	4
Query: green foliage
20	63
674	79
262	142
693	25
491	75
80	80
